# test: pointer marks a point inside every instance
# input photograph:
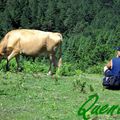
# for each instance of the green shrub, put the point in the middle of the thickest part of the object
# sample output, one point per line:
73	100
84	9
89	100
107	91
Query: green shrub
67	69
28	66
97	69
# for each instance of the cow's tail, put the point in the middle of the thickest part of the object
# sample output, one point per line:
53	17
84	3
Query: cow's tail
60	51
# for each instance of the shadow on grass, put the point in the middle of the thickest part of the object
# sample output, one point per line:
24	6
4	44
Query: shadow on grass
113	87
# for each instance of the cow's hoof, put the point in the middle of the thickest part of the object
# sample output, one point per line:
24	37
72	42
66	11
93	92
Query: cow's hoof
49	73
20	69
7	68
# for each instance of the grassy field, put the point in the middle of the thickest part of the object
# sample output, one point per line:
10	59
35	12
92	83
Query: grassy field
35	96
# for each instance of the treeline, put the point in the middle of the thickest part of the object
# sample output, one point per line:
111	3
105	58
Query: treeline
91	28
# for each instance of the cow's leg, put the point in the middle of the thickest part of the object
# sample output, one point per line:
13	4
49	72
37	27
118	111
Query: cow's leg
33	59
53	60
19	68
50	72
7	66
13	54
7	52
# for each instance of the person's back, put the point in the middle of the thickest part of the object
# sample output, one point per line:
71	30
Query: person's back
116	66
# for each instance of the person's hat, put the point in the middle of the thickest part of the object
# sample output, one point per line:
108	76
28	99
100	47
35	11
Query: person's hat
117	48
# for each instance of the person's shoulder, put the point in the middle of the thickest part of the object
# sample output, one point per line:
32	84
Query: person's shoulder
116	59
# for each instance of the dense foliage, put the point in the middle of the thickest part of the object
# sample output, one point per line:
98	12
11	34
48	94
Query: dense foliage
90	28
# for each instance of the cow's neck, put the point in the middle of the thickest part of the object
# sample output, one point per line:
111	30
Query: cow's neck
1	49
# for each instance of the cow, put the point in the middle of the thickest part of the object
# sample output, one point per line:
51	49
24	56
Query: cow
31	42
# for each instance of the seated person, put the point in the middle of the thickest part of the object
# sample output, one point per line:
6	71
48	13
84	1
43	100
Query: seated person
112	71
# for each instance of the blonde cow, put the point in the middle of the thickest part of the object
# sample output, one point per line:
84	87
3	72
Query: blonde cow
31	43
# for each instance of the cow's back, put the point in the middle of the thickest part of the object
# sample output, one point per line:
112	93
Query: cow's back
30	42
33	42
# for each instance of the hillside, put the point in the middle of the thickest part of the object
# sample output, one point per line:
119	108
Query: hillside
27	96
90	28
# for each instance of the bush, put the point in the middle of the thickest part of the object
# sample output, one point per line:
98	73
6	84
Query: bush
96	69
67	69
28	66
35	67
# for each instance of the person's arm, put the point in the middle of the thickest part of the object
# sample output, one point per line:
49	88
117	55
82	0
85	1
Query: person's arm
108	66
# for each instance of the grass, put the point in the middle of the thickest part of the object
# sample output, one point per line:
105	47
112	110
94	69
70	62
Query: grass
35	96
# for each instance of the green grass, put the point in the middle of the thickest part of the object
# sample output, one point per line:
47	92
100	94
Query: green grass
35	96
